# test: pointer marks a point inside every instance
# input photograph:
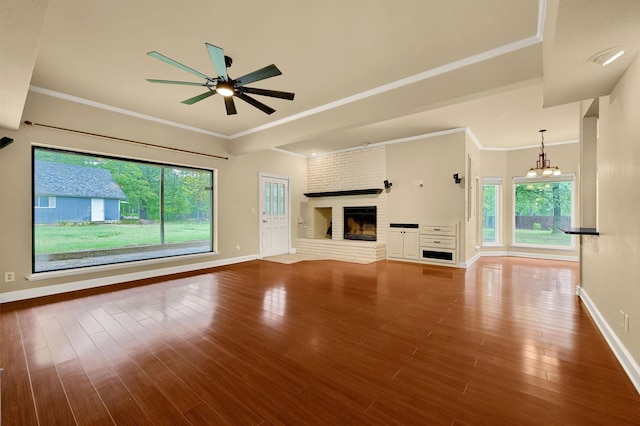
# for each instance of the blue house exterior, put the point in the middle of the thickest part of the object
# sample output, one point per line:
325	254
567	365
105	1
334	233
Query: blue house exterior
71	193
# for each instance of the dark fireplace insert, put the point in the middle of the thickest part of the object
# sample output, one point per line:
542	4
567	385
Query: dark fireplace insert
360	223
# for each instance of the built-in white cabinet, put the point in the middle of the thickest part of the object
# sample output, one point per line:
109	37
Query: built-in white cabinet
439	243
403	241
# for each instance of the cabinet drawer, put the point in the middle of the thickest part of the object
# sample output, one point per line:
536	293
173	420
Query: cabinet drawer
438	230
437	241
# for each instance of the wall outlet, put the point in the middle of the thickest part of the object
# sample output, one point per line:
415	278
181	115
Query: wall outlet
9	277
621	318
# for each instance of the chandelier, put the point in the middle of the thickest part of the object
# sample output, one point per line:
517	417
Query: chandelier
543	166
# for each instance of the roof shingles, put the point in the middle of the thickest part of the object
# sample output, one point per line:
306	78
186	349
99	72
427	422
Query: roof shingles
57	179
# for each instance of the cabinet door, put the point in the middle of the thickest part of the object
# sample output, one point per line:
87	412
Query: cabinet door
411	244
395	242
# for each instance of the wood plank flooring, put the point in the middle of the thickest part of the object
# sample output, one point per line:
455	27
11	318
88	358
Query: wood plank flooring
324	342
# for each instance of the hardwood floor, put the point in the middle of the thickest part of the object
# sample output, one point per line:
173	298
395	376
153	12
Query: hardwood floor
505	342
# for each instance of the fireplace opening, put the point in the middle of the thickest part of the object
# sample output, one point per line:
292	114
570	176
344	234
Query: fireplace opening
360	223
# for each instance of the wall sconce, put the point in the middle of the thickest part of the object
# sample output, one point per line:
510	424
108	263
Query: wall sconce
5	141
387	184
457	178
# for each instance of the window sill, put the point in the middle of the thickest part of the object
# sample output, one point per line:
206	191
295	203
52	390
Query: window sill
535	246
37	276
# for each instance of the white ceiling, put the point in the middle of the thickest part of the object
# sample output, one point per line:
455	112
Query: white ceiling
363	71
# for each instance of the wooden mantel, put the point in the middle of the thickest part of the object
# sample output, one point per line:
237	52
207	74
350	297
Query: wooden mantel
372	191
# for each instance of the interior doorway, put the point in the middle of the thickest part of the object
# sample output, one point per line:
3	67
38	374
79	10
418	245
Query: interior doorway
275	234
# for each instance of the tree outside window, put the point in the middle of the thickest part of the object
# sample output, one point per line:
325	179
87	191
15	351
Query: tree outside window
541	209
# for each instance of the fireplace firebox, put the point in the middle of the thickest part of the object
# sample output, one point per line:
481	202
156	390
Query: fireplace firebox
360	223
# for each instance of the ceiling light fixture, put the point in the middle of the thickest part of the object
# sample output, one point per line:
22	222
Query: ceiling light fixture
543	165
225	89
606	57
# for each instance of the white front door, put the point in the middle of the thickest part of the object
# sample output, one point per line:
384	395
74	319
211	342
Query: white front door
274	215
97	210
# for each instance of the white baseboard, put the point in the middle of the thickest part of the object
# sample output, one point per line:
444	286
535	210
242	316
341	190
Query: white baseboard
31	293
629	364
471	261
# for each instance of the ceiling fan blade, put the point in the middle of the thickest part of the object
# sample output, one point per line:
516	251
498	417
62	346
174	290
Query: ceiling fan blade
198	98
217	58
273	93
230	105
176	64
264	108
186	83
261	74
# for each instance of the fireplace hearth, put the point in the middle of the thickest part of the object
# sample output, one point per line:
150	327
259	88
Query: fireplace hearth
360	223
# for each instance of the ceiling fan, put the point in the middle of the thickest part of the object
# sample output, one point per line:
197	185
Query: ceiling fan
225	85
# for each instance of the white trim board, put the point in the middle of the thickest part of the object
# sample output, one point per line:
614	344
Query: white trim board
629	364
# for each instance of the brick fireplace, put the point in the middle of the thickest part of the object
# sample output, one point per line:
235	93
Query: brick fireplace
329	234
339	175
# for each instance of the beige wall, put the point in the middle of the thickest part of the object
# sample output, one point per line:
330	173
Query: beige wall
237	186
473	201
611	261
433	161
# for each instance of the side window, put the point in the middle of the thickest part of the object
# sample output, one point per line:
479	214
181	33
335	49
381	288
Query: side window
491	191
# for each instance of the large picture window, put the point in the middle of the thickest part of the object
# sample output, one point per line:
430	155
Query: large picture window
109	210
542	207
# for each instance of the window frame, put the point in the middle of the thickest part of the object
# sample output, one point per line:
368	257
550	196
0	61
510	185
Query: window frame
565	177
163	167
51	202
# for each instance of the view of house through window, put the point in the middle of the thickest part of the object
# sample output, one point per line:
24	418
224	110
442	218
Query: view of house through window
491	210
542	206
90	210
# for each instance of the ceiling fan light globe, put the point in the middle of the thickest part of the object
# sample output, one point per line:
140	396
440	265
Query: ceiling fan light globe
532	173
547	172
557	172
224	89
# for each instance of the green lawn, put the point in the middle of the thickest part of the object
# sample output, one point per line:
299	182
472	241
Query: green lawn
529	236
546	237
63	239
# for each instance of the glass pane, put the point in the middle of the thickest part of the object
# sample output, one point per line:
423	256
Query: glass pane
275	199
542	208
187	209
108	210
267	198
281	210
489	215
